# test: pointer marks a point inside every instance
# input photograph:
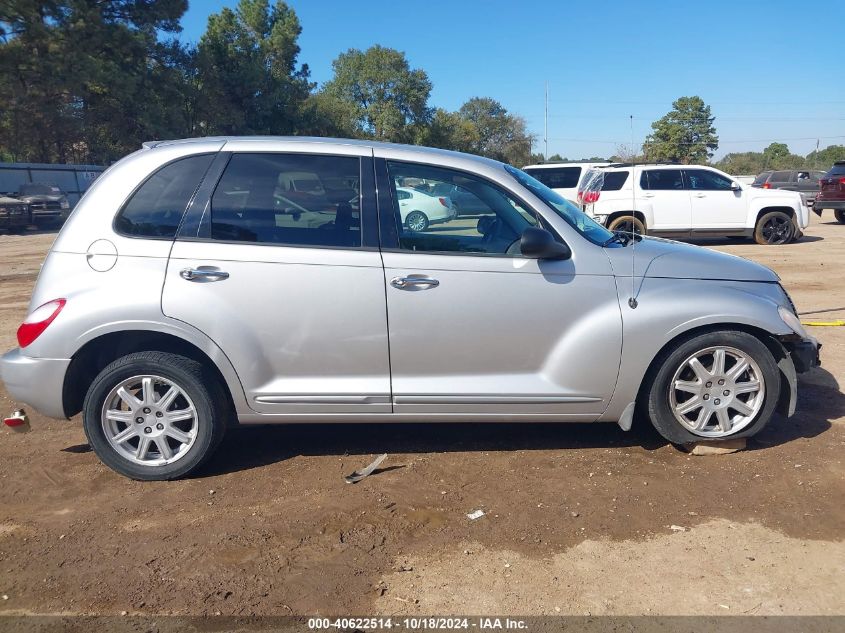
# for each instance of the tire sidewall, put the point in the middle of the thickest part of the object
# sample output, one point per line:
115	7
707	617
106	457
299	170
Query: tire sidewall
758	230
408	221
659	410
639	227
839	214
134	365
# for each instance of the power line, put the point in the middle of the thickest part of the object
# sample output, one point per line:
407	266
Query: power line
721	142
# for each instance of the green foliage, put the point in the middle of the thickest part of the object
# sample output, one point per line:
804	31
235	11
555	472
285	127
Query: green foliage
498	133
685	134
378	94
247	71
778	156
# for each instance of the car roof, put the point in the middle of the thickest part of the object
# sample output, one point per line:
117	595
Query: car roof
431	153
566	164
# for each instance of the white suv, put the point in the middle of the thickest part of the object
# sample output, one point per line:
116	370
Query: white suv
681	201
563	178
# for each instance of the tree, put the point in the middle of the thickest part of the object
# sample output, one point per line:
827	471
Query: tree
823	159
686	134
385	98
247	70
78	77
499	134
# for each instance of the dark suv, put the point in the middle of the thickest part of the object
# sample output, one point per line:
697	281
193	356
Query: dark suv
48	203
804	181
832	192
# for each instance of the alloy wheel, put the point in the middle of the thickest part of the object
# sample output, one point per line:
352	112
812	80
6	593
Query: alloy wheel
149	420
777	230
717	392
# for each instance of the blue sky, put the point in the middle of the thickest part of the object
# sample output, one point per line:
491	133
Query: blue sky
771	70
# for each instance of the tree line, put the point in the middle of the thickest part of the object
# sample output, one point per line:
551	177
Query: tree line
87	81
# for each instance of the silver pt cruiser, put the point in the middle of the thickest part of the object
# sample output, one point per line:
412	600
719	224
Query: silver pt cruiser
209	282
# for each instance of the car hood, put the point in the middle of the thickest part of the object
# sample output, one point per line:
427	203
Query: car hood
655	257
43	198
759	192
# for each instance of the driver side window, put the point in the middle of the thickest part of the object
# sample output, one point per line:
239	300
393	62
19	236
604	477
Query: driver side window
430	219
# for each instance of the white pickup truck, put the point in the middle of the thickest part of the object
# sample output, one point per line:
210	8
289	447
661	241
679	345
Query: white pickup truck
681	201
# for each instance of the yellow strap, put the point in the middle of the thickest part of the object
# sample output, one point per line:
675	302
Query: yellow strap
823	323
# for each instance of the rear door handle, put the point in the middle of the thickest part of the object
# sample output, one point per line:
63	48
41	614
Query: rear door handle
414	282
648	195
700	195
203	273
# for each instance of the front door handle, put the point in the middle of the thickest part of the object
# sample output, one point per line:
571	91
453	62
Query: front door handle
414	282
701	195
203	274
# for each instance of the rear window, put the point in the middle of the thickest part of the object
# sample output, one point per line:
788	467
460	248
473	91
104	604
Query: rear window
557	177
662	180
781	176
838	169
156	207
759	180
614	180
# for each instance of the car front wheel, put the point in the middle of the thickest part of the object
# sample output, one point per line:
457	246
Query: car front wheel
714	386
154	415
775	227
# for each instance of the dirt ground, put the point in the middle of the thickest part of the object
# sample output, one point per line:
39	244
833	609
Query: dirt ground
580	519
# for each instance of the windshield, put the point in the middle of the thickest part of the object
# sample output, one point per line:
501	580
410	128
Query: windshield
38	188
573	216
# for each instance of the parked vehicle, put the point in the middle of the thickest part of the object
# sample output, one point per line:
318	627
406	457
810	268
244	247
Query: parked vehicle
162	334
420	210
564	178
48	203
804	181
464	201
683	201
832	192
14	214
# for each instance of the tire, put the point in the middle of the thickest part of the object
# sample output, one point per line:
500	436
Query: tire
198	392
839	214
774	228
660	397
416	221
625	223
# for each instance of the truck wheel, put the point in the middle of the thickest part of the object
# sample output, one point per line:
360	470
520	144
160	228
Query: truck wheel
775	227
839	214
154	415
627	224
714	386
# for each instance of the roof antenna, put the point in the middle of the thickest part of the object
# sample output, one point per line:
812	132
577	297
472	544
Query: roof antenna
632	300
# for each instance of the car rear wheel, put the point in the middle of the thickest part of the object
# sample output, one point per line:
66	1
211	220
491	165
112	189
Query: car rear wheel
154	415
416	221
627	224
714	386
775	227
839	214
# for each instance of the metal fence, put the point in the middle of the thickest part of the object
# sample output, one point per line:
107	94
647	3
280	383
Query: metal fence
73	180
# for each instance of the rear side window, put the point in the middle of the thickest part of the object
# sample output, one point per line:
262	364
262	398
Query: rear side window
662	180
781	176
557	177
288	199
614	180
156	207
837	170
759	180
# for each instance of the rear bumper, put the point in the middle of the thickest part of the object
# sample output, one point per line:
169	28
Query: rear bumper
821	203
37	382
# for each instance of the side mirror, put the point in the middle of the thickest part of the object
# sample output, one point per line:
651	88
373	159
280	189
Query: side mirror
735	186
538	243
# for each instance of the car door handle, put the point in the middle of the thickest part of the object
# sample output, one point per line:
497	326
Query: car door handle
414	283
203	274
648	195
700	195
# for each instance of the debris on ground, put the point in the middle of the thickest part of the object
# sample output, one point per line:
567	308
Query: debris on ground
358	475
472	516
716	448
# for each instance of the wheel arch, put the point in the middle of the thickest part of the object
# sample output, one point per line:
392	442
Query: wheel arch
769	209
105	348
637	214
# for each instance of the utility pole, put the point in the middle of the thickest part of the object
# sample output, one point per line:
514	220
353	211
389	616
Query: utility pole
546	126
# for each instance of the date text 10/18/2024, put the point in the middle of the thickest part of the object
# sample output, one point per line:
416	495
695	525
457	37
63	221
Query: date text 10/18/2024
417	623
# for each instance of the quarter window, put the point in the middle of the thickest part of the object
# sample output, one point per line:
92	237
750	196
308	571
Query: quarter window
702	179
157	206
662	180
429	222
290	199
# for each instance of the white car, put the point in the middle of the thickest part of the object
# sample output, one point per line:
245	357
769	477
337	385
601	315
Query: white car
419	210
681	201
564	178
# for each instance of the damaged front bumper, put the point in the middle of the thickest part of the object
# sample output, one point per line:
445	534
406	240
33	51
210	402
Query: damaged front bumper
802	354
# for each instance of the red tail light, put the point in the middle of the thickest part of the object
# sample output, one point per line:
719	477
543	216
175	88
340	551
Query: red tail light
443	202
38	320
766	185
588	197
842	181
